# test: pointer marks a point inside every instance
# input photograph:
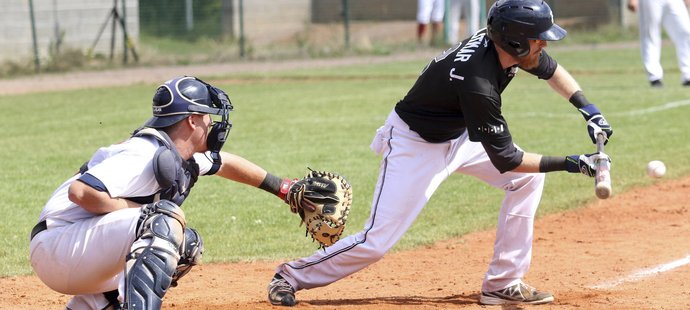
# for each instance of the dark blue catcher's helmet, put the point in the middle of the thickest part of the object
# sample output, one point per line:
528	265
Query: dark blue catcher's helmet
176	99
181	97
512	23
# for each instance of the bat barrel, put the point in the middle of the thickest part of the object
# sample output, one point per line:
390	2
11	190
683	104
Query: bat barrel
602	187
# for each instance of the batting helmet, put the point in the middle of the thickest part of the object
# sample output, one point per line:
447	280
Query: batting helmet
512	23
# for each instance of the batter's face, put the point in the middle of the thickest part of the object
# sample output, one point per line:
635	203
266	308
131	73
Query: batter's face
532	59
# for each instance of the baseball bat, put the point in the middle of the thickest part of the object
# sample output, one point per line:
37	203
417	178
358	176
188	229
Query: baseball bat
602	179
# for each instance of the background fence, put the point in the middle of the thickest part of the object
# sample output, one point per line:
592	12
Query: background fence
220	30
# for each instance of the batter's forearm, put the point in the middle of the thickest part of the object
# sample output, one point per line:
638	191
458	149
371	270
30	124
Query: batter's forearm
563	83
529	164
535	163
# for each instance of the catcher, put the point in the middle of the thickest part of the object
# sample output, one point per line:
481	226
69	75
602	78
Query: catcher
114	236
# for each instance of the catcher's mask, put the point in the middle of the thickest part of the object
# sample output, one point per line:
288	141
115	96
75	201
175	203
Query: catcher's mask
512	23
181	97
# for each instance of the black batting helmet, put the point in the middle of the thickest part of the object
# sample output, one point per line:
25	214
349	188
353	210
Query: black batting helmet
512	23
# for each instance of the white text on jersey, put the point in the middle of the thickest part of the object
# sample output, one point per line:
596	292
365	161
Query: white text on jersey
466	51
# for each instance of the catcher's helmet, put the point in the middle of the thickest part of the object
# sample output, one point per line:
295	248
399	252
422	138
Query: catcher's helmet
176	99
180	97
511	23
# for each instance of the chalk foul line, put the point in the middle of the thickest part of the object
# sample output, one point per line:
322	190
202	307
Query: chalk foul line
643	274
659	108
666	106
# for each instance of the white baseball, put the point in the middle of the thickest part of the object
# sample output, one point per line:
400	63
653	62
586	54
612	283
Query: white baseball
656	169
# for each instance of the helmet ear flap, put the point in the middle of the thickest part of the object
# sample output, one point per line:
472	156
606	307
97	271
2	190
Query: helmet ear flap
520	48
514	44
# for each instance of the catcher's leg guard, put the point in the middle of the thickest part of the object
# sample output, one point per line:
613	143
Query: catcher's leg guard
154	255
191	254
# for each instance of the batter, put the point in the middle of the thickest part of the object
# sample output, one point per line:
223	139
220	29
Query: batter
451	122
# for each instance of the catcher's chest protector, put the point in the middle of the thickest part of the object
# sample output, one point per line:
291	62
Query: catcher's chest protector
175	175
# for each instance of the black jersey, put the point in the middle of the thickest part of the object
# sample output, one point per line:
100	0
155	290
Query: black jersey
459	90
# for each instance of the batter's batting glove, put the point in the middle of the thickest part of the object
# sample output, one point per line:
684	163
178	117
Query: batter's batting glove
596	122
584	163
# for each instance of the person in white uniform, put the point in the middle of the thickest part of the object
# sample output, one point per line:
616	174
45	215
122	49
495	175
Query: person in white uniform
430	12
455	11
114	235
673	16
449	122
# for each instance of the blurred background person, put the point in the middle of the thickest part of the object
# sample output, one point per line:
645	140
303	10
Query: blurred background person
456	10
673	15
430	12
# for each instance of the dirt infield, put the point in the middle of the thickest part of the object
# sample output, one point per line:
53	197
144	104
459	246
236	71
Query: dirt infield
627	252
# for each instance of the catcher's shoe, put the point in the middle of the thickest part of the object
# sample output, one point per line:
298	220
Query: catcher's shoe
520	293
280	292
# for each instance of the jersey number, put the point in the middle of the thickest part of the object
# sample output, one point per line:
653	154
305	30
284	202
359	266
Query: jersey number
441	56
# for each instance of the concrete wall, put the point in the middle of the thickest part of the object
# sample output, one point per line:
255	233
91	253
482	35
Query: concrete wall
267	21
78	20
327	11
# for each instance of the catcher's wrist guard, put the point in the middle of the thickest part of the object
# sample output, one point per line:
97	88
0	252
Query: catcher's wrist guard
285	189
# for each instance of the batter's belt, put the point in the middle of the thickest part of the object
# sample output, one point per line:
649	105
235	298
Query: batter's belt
41	226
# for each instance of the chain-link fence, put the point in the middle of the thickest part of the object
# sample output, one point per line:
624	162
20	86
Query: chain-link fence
45	33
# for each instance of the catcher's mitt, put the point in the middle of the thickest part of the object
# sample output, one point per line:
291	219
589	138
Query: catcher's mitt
323	200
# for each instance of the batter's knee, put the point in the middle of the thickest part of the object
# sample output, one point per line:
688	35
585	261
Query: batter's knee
376	248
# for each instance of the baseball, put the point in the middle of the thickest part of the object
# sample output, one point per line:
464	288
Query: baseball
656	169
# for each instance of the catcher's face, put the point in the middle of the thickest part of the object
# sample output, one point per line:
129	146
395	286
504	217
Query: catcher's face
203	124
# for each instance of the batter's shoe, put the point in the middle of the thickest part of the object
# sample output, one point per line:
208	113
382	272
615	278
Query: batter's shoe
656	84
686	83
520	293
280	292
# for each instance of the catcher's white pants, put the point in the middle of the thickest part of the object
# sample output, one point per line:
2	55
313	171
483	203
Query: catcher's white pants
410	171
673	15
85	258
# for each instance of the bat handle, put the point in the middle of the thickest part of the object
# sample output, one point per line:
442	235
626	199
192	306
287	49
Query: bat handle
601	140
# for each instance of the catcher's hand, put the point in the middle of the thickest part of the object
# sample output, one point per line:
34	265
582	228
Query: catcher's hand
323	200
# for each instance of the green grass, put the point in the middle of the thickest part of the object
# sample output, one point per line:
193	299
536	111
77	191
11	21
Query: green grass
324	119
